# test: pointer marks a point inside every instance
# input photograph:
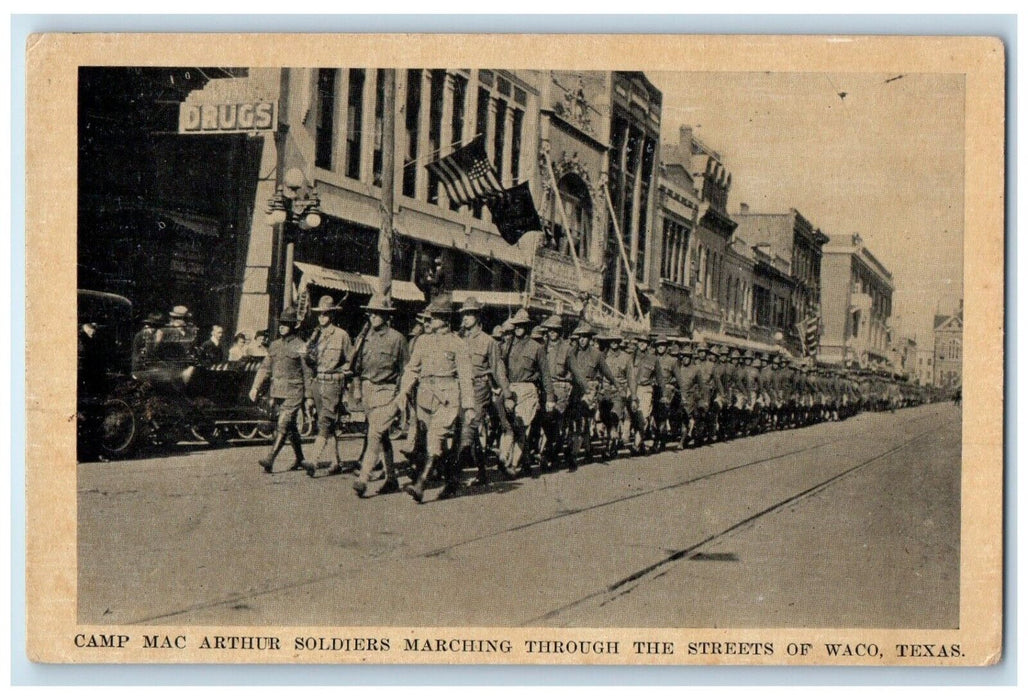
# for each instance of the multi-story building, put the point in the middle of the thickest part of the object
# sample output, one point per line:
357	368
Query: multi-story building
678	211
773	291
737	289
634	137
856	304
903	354
712	232
791	238
948	339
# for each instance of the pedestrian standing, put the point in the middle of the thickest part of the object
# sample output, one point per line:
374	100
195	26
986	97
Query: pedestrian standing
440	367
290	377
329	353
378	367
238	351
212	351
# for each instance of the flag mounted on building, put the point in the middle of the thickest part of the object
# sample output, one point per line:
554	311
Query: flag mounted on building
467	174
514	213
809	330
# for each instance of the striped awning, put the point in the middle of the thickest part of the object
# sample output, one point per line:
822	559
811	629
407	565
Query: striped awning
353	282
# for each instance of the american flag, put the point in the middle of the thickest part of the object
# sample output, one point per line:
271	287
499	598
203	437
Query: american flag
809	330
466	174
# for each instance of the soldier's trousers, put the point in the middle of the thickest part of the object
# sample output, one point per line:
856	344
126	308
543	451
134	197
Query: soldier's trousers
469	430
380	416
514	442
557	424
328	397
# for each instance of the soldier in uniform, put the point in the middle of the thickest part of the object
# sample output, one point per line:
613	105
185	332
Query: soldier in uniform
413	447
440	366
567	385
329	353
692	392
668	411
488	375
649	385
620	393
527	371
378	367
588	363
290	383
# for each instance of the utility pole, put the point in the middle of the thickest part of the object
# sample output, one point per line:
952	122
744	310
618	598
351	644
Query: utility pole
385	234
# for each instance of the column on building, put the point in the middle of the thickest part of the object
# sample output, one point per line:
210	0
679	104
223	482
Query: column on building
446	130
367	125
424	124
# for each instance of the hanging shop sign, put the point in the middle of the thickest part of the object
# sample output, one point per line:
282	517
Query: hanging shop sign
229	118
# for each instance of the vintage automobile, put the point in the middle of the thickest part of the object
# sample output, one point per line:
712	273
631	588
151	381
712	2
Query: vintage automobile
165	400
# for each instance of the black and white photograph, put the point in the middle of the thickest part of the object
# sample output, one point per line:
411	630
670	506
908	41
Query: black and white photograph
380	347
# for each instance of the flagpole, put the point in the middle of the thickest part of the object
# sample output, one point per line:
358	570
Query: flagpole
624	255
564	218
385	233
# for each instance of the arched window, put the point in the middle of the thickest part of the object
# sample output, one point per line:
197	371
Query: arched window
578	207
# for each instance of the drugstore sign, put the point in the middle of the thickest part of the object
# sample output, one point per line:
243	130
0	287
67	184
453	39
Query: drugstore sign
228	118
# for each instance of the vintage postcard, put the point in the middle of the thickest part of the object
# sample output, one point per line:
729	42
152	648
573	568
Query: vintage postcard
581	350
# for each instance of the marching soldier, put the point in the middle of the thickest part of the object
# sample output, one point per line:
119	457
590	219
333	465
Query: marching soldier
589	364
488	374
290	382
527	371
649	383
693	392
329	353
567	385
408	411
618	416
669	409
378	367
440	366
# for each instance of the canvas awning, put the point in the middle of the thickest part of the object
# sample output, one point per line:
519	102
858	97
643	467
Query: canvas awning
353	282
489	298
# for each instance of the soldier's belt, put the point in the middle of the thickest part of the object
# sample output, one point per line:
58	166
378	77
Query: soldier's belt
330	376
439	379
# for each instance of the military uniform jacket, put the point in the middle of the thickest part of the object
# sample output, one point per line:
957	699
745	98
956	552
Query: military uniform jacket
692	385
486	360
526	362
621	366
668	365
328	350
710	375
562	369
285	364
379	364
592	366
441	367
647	371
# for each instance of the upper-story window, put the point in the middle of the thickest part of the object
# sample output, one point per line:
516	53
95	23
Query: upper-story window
325	120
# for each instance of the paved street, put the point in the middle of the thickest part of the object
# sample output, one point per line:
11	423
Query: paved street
851	524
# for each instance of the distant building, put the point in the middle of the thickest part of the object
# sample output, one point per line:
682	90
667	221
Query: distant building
787	239
949	354
925	372
856	305
671	270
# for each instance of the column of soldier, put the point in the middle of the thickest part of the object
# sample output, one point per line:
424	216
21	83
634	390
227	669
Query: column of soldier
529	398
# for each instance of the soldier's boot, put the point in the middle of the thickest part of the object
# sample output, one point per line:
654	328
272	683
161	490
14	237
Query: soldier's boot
417	489
297	445
337	466
269	461
474	453
316	450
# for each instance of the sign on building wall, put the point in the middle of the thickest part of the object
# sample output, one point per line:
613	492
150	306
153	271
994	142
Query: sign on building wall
228	118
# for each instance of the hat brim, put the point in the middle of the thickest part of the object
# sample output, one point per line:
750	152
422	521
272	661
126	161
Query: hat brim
379	309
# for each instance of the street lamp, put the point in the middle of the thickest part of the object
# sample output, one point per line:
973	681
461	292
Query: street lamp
294	204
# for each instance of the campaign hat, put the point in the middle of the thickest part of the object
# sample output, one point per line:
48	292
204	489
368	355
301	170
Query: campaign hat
326	303
520	317
288	317
471	305
380	304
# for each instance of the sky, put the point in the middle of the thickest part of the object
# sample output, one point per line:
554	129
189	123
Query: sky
853	152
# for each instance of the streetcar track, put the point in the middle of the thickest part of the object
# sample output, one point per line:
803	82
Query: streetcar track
614	590
568	512
233	600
